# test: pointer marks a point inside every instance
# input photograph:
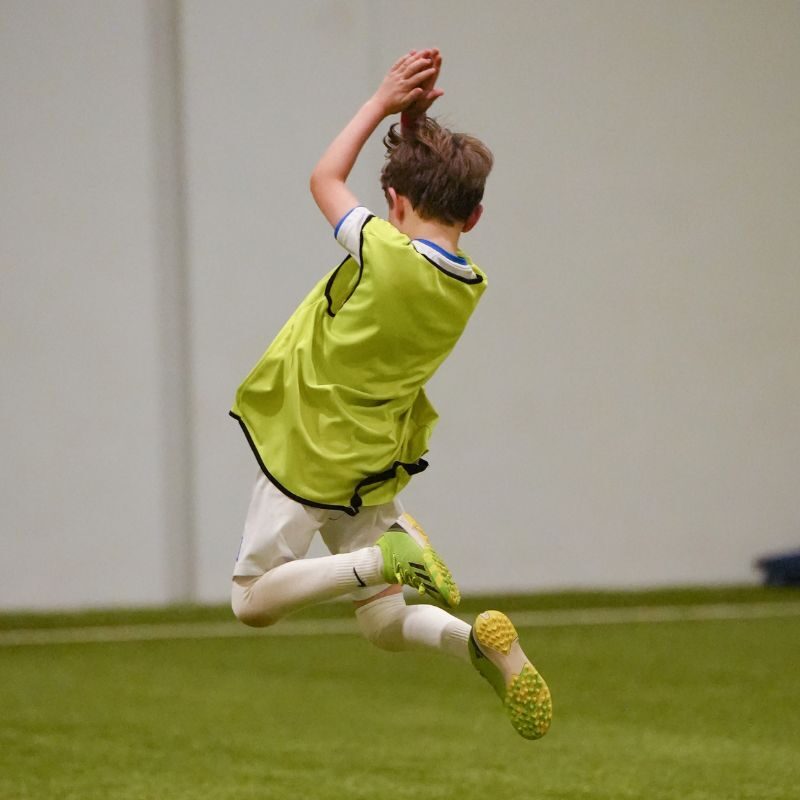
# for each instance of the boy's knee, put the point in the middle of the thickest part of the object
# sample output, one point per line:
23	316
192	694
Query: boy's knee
385	638
244	609
252	617
381	622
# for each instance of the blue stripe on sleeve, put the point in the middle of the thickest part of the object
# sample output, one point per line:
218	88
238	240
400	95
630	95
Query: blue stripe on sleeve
339	223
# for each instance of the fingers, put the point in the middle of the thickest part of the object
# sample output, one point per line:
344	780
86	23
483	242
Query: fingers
411	68
411	80
418	78
402	63
416	56
428	64
437	65
421	103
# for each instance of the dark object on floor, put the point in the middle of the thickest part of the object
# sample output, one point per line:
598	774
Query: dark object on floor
781	570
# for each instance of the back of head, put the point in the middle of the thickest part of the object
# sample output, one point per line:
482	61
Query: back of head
442	173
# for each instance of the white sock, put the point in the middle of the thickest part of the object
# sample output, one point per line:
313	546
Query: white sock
392	625
263	600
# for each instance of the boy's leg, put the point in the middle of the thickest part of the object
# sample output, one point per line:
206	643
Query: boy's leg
271	577
492	644
382	613
389	623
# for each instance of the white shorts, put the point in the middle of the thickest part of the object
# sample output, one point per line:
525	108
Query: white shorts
279	529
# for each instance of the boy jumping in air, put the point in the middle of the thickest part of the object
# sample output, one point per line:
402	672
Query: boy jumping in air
335	410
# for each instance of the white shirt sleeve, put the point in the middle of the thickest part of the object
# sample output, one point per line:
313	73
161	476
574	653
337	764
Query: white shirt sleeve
348	230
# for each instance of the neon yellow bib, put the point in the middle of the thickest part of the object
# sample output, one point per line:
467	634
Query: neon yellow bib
334	410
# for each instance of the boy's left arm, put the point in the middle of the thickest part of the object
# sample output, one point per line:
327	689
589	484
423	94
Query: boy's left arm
402	86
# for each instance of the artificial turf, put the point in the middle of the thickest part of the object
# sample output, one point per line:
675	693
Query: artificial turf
696	710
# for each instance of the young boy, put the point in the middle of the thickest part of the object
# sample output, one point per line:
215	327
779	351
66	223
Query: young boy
335	411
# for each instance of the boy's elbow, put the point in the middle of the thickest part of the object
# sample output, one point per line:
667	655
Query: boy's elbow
331	195
318	180
317	185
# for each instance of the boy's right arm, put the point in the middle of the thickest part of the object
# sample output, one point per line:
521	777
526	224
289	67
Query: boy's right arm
402	86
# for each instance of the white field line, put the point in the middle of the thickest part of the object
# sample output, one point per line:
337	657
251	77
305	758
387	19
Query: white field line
555	618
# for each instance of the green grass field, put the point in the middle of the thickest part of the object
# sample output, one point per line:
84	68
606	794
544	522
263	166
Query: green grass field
696	710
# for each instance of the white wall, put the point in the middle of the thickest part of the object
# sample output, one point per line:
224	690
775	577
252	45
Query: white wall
80	487
624	408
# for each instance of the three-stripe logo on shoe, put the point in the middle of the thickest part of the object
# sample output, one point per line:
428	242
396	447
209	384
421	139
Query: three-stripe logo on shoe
358	578
424	577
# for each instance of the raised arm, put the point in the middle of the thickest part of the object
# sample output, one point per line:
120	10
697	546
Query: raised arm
404	84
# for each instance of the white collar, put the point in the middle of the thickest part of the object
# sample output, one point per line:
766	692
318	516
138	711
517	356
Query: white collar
455	265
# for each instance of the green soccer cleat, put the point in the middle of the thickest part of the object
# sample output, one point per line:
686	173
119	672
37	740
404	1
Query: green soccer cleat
408	558
495	652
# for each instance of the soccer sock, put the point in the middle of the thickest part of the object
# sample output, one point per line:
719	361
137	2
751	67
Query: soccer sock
263	600
392	625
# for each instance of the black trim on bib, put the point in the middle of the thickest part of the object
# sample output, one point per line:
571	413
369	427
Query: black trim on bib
329	284
361	240
412	469
355	501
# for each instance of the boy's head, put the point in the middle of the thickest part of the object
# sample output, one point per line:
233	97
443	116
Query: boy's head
441	173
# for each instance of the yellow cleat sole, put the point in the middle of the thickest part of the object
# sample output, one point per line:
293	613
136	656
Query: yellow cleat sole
525	695
528	704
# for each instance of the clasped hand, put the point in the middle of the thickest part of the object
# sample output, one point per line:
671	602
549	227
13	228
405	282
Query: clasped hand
410	84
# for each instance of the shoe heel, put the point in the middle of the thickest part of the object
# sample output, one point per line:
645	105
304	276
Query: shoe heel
494	629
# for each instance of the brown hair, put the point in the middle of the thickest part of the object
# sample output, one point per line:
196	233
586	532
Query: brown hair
441	173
